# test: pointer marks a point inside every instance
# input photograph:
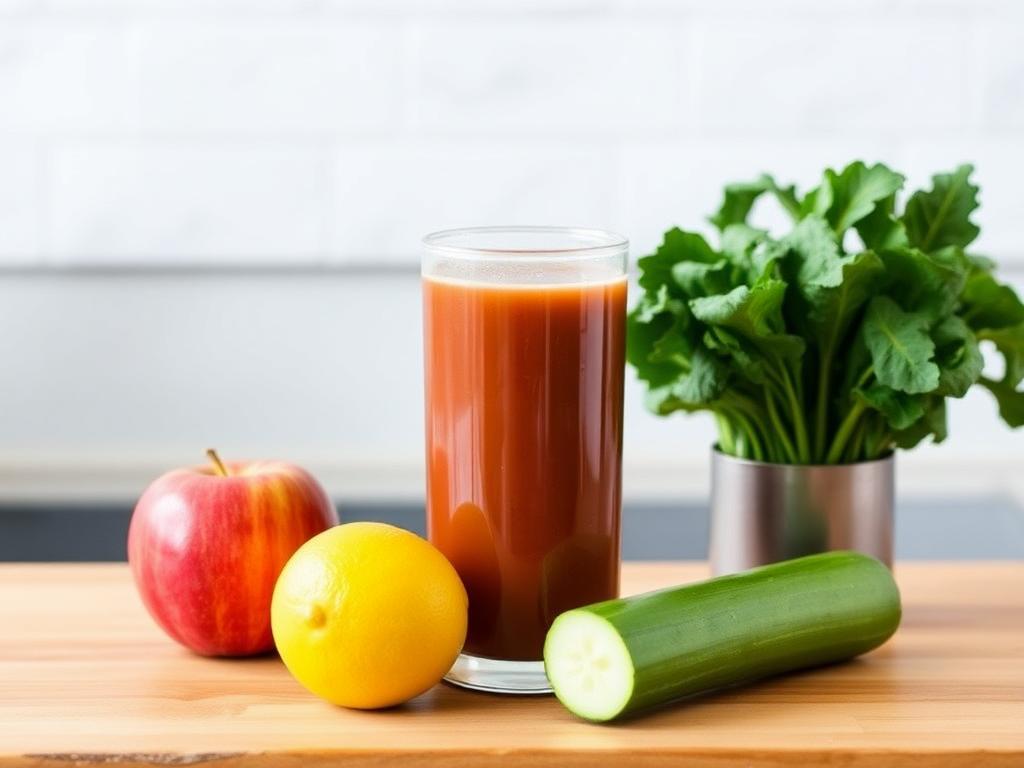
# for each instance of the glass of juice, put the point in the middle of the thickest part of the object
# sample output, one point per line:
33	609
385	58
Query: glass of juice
524	336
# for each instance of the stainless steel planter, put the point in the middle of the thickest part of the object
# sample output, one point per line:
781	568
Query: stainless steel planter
761	513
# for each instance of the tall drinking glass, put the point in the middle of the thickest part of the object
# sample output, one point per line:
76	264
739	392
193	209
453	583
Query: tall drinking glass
524	335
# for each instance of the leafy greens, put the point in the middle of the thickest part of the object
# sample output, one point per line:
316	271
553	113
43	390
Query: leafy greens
839	341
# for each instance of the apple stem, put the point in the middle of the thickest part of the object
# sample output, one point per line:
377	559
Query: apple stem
217	463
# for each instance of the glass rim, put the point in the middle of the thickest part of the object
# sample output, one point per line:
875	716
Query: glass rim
594	243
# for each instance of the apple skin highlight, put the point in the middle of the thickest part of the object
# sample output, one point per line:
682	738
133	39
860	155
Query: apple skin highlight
205	549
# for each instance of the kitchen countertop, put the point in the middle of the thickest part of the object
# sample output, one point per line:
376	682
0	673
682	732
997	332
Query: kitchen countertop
87	679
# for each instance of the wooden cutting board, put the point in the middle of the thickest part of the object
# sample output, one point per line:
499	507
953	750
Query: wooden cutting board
87	679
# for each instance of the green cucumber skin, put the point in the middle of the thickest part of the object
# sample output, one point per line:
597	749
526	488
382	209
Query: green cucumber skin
735	629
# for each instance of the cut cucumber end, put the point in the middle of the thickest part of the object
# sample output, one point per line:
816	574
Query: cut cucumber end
588	665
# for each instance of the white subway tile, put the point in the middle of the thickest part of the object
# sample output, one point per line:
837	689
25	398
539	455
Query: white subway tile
61	78
20	204
326	9
388	196
241	78
775	7
464	8
1004	8
1000	85
559	76
184	8
829	73
17	8
166	203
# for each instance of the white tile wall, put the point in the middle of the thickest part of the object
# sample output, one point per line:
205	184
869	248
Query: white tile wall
440	184
170	202
766	74
307	133
1000	87
190	130
238	78
20	202
571	77
68	78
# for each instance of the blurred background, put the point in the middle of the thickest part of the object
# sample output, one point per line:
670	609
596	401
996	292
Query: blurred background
210	214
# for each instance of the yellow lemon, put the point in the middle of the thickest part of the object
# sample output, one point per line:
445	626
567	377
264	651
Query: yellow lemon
367	615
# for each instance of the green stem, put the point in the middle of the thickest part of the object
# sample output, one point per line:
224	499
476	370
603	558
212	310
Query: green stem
821	416
741	402
748	428
774	387
803	444
835	453
856	447
864	377
742	447
750	415
780	431
725	437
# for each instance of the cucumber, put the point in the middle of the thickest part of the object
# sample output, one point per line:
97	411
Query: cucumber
622	656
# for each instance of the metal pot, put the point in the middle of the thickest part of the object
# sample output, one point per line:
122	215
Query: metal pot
762	513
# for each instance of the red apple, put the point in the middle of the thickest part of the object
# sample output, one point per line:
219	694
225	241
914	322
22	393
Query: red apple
207	544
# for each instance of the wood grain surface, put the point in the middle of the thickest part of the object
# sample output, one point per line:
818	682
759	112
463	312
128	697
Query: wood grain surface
87	679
